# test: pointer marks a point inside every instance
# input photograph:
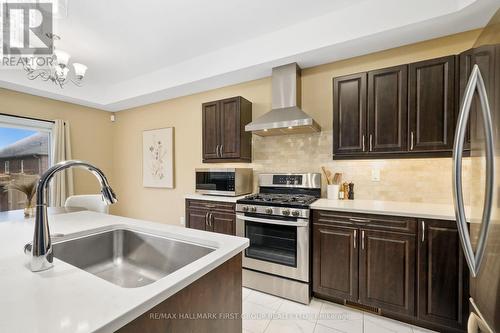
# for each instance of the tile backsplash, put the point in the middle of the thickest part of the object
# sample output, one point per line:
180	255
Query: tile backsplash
418	180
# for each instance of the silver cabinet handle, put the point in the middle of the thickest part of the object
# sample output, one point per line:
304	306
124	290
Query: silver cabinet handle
411	140
475	82
354	238
362	239
371	142
363	143
210	219
352	219
206	218
221	150
217	151
423	231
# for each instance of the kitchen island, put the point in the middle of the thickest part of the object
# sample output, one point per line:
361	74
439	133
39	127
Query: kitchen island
205	293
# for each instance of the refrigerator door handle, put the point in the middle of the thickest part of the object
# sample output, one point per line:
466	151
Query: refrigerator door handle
475	83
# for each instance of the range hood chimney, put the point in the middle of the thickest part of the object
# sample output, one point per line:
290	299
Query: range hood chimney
286	116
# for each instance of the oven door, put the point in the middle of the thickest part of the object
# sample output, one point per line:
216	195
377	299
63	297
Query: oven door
277	246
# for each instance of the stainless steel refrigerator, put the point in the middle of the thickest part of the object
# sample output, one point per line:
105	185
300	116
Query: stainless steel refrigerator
478	210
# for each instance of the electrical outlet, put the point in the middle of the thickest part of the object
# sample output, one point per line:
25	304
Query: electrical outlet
183	220
375	175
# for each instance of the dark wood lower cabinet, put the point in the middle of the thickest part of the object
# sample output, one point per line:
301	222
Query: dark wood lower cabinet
197	218
387	271
408	269
217	295
212	216
223	223
335	262
442	275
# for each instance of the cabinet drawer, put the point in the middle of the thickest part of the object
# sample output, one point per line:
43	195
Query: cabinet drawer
226	207
367	221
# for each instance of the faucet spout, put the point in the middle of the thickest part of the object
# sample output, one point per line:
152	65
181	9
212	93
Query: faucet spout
41	249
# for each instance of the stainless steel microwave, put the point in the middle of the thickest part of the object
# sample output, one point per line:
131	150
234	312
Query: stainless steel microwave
227	181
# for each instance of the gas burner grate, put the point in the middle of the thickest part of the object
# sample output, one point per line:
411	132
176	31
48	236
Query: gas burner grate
302	199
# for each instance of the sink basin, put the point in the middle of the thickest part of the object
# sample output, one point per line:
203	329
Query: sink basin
128	258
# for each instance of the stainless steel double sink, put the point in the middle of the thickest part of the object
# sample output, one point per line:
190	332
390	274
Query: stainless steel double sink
128	258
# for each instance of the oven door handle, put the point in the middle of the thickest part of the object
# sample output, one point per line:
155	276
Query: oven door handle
299	223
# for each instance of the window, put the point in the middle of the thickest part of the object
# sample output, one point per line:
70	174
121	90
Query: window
25	154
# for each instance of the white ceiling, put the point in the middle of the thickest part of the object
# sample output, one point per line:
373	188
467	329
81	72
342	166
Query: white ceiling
145	51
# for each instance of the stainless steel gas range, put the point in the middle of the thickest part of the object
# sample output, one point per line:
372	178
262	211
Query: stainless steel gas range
276	220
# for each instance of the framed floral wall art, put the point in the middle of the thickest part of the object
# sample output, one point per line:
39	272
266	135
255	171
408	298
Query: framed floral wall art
158	158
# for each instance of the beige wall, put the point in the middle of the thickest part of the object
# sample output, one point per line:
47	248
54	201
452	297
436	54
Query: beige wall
91	130
426	180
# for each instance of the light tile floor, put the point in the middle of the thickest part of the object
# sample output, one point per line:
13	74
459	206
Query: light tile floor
264	313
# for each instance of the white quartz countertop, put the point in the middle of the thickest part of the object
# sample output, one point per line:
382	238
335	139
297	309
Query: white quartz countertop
394	208
218	198
67	299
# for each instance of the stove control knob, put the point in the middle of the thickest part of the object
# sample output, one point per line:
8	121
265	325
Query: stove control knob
269	210
295	213
285	212
245	208
253	209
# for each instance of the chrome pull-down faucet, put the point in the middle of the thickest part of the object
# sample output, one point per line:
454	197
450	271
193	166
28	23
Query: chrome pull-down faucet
41	248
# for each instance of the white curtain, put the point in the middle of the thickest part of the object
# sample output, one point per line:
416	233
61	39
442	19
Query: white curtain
62	184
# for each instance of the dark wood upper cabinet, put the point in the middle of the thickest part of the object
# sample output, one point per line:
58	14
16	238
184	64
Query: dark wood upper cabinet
387	271
387	109
432	105
486	58
224	135
230	128
210	130
442	275
349	114
335	275
403	111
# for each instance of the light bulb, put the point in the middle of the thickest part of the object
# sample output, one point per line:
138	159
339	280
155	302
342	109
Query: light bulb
62	58
65	72
80	70
34	63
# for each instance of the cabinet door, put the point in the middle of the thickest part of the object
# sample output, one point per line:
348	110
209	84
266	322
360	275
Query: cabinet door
230	127
349	114
222	223
484	57
442	275
335	262
387	271
432	105
387	109
197	219
210	130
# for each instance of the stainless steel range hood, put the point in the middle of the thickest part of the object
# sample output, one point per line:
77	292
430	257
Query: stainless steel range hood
286	117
